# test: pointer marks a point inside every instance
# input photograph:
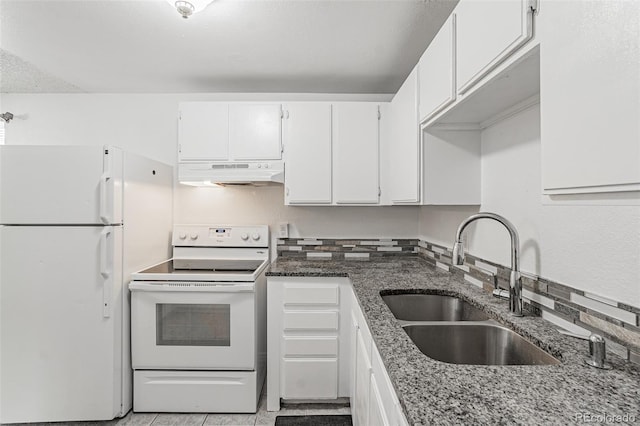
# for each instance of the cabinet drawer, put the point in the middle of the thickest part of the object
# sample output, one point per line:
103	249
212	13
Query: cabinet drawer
314	378
310	346
311	295
310	320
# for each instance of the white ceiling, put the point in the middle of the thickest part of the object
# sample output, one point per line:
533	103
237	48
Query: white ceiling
144	46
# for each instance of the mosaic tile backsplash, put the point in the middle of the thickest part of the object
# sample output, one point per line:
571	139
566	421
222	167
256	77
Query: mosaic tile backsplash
566	307
322	248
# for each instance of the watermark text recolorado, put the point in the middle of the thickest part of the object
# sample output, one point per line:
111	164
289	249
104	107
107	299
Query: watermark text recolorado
604	418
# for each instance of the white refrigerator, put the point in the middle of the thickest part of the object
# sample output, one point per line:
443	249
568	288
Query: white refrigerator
75	222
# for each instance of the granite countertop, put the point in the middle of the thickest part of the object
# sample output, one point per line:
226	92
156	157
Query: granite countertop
433	392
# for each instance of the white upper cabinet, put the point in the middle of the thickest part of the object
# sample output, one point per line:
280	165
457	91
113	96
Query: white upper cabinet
355	153
221	131
488	32
590	100
203	131
402	145
255	131
437	71
307	151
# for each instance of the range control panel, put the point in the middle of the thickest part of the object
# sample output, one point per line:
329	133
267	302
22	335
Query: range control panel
220	236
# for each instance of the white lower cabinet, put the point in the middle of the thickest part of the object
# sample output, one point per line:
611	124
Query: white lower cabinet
361	366
307	357
319	347
309	378
373	399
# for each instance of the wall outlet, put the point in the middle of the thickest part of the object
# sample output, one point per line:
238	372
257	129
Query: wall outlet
283	230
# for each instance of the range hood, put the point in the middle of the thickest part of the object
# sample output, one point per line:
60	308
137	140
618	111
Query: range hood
255	173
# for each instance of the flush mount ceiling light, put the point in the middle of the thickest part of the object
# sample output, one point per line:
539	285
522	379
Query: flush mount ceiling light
187	8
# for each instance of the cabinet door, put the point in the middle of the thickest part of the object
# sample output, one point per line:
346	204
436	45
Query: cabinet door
362	382
310	378
307	142
355	153
437	71
353	361
203	131
403	145
377	415
590	104
255	131
487	33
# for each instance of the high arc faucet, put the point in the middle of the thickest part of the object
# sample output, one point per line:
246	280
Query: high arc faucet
515	282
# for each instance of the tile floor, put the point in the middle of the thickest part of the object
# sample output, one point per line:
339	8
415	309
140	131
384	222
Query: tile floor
261	418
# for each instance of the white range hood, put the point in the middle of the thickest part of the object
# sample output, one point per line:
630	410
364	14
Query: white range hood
231	173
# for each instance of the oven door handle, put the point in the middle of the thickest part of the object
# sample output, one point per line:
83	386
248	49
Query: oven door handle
191	287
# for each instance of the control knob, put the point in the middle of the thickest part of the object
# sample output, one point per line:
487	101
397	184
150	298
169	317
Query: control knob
194	236
244	237
182	236
255	237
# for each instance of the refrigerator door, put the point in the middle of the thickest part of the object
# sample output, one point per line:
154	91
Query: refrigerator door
60	185
60	323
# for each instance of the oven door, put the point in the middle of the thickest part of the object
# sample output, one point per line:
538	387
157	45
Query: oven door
193	326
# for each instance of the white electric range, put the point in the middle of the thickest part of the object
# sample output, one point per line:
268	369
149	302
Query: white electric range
198	322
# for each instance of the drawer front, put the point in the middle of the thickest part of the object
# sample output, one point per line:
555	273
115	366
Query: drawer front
195	391
311	295
310	346
311	320
313	378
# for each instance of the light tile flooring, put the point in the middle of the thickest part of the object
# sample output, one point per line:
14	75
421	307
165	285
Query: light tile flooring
261	418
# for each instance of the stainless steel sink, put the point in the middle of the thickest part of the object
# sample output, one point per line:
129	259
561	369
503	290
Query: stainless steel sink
476	344
431	307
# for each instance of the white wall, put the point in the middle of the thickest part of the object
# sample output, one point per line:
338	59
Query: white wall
147	125
594	248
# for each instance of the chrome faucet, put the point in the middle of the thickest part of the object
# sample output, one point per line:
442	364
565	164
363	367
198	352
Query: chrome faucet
515	283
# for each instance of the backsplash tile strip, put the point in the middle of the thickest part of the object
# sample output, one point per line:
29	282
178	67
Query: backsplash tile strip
336	248
601	299
607	309
617	349
356	255
442	266
470	279
319	255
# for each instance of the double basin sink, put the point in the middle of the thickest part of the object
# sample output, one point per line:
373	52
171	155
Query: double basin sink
451	330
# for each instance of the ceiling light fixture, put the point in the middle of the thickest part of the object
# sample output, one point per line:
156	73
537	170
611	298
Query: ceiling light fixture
186	8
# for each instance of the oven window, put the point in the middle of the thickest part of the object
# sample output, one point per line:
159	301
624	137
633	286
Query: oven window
193	324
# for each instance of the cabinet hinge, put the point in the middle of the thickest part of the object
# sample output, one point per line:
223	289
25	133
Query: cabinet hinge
179	147
532	5
281	148
379	114
379	192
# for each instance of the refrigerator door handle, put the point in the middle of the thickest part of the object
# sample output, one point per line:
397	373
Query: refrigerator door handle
105	180
105	271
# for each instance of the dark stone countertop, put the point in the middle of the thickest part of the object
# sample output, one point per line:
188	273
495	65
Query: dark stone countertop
434	392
